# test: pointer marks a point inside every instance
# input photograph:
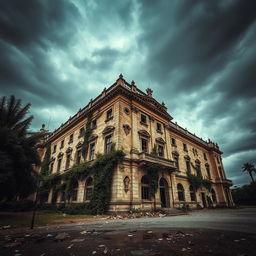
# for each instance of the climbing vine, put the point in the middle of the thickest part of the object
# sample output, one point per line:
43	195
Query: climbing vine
152	171
87	134
102	171
46	162
197	181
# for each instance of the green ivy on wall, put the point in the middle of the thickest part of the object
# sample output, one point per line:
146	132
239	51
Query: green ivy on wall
102	171
46	162
87	134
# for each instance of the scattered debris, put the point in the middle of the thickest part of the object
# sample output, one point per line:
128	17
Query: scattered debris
94	252
6	227
236	241
183	249
134	215
83	232
130	235
105	250
69	247
77	240
13	244
49	236
61	236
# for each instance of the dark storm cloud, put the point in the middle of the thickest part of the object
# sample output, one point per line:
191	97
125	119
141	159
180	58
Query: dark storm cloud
198	56
203	54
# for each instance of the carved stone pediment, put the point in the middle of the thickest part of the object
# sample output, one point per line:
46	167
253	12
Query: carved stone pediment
197	161
79	144
160	140
176	153
187	157
69	150
60	155
52	159
93	137
144	133
108	129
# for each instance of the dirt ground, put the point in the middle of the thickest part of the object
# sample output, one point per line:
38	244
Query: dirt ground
129	243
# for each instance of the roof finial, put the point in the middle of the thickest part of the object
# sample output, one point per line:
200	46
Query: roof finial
121	76
149	92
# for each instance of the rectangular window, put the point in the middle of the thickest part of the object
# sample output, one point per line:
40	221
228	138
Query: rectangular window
176	162
62	144
78	156
185	148
143	119
208	172
71	138
92	151
54	148
173	141
108	143
145	193
160	150
220	171
144	145
51	167
198	170
88	195
68	161
81	132
218	160
205	157
188	166
59	165
158	127
94	124
109	114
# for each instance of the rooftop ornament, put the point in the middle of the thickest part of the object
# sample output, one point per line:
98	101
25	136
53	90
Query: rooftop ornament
149	92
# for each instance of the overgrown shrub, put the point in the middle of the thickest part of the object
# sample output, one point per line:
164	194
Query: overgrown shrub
77	208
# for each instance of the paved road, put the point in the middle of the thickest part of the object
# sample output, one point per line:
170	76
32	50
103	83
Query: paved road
243	220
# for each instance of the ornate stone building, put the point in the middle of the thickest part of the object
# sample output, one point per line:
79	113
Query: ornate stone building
137	123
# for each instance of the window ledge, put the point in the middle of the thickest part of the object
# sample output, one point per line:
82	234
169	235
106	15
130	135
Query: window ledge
159	131
144	124
174	145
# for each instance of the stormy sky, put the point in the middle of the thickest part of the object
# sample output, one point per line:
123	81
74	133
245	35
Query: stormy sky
199	57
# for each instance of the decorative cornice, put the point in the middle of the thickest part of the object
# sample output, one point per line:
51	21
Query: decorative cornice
108	129
144	133
160	140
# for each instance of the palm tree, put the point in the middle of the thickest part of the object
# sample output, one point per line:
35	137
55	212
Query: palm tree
250	168
17	150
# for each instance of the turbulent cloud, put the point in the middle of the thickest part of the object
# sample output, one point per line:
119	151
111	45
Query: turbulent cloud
198	57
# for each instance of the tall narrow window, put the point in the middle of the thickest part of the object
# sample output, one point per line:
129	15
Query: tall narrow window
205	157
54	148
88	188
92	151
62	144
81	132
173	141
214	199
108	143
145	188
144	145
94	123
192	193
74	192
78	156
51	167
175	157
198	170
158	127
185	148
181	195
68	161
59	164
160	150
109	114
143	119
188	166
207	167
220	171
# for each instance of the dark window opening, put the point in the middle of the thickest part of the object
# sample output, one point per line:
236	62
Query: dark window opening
92	151
109	114
144	145
143	119
108	143
145	188
180	192
160	150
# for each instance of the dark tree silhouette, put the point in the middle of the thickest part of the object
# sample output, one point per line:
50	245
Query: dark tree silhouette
249	168
18	152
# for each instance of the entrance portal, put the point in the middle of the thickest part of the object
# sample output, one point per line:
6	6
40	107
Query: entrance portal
164	193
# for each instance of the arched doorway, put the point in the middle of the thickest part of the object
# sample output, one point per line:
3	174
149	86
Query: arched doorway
164	193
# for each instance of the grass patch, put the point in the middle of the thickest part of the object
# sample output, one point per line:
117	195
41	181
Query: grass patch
43	218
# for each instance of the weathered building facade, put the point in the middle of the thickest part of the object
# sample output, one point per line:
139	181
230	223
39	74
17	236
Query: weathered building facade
138	124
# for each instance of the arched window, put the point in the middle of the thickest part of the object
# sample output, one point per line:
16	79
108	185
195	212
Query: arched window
145	188
214	199
88	189
192	193
74	192
180	192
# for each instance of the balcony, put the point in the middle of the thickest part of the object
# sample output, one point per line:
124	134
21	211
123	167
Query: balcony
224	181
165	164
